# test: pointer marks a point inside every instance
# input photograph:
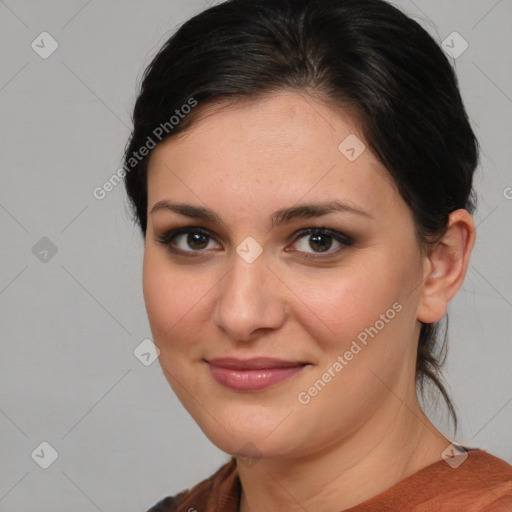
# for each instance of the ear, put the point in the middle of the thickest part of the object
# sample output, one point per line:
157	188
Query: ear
445	267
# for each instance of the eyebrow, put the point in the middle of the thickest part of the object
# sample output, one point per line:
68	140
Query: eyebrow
282	216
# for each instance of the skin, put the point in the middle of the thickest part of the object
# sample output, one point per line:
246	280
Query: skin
364	431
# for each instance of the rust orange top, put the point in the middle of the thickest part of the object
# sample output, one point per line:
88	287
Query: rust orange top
481	483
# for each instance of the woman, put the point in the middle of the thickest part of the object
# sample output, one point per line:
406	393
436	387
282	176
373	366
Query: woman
302	174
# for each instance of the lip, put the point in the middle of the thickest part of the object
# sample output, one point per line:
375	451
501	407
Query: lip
252	374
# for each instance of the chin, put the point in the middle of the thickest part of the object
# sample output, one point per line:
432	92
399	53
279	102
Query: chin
244	446
250	439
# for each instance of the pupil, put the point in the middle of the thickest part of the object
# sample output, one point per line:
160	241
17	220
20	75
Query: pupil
197	240
320	242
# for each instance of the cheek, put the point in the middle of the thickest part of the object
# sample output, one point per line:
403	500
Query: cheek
173	299
345	302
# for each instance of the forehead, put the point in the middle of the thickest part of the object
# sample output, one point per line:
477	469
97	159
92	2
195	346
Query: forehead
276	150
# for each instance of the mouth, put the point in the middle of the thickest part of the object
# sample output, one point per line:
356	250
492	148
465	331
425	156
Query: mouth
255	374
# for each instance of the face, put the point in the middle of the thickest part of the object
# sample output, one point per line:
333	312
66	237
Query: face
284	323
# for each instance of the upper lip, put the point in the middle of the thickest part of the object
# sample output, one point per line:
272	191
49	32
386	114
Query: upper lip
253	364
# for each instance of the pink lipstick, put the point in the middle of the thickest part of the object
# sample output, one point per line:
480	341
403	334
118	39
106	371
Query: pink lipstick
252	374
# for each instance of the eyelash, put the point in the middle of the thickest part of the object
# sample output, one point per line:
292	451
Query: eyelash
167	238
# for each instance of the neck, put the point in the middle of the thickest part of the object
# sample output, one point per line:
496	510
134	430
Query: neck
397	442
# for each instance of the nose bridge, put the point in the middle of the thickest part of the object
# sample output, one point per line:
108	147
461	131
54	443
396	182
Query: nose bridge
243	278
246	299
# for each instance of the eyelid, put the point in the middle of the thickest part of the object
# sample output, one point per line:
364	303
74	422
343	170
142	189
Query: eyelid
167	237
337	235
343	239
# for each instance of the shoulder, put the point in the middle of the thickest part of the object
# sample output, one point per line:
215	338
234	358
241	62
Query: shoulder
477	482
480	464
474	481
489	478
221	487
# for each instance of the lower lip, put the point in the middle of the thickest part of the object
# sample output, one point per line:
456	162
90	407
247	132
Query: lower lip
252	380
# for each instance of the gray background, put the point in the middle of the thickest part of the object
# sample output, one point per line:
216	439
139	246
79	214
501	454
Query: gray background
70	324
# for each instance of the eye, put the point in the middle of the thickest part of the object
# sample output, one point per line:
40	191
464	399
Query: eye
187	240
317	242
320	240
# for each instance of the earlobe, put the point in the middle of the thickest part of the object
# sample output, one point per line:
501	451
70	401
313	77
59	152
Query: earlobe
446	266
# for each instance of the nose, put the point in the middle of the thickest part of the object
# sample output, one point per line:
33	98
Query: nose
249	300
